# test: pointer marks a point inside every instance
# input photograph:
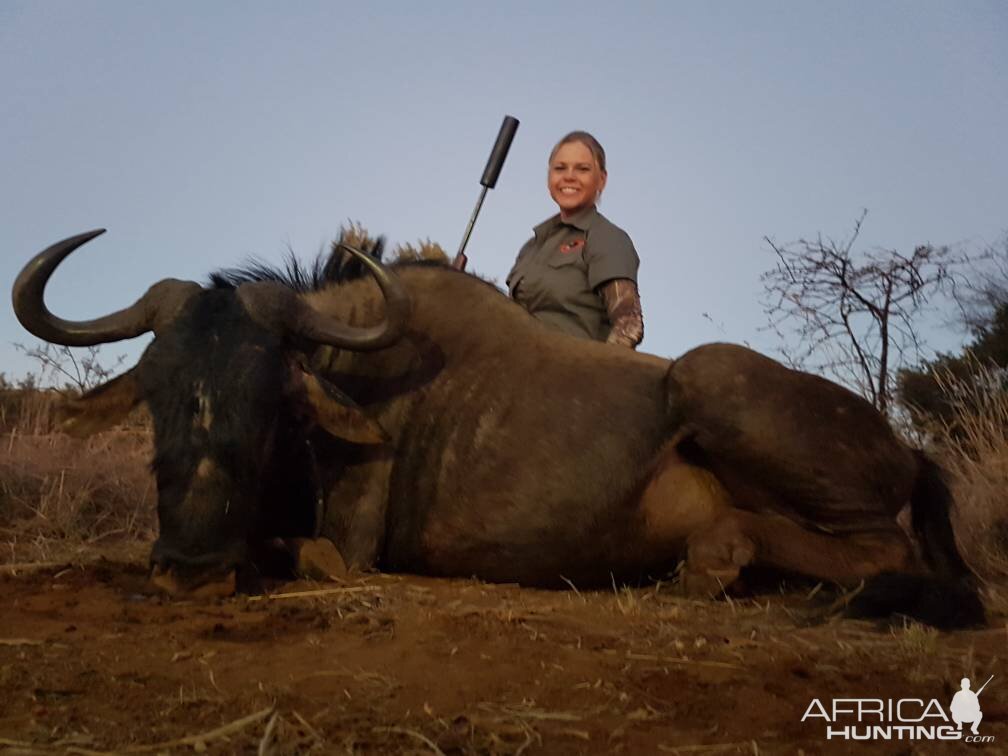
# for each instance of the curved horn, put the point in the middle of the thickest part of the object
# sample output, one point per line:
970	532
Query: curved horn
397	312
144	315
270	302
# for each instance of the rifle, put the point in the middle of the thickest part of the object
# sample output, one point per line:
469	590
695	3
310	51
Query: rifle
489	180
984	685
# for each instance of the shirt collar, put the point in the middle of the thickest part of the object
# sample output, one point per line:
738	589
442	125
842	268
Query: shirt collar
580	221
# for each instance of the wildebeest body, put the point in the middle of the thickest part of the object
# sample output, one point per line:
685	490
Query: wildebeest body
512	460
456	435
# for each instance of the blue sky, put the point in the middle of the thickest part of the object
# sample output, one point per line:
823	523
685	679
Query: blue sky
200	133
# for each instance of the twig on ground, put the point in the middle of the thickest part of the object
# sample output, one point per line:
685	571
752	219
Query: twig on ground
511	711
28	567
714	748
529	740
846	598
265	745
311	730
413	734
196	741
731	604
18	744
319	592
688	662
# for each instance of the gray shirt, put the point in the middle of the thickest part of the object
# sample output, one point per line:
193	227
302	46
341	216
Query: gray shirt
558	272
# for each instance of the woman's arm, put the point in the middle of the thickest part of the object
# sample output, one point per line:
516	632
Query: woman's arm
622	301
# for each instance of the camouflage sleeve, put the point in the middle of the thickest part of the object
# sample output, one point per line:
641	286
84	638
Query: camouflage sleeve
622	302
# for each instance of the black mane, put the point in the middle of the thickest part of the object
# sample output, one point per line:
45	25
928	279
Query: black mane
336	266
332	267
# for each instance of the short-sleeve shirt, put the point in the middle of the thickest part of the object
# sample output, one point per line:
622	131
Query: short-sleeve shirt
559	270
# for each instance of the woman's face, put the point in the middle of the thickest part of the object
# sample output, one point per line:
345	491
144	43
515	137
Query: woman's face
575	179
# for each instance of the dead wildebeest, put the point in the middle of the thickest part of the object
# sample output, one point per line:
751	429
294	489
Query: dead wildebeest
510	452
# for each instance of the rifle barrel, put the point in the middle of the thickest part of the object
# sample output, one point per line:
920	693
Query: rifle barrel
489	180
984	685
468	232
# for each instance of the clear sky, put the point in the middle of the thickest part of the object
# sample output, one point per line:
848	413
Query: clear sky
200	133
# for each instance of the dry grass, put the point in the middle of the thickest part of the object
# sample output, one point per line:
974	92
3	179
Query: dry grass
28	412
973	448
58	494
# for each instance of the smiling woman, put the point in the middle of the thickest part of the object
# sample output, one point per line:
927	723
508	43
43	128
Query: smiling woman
578	273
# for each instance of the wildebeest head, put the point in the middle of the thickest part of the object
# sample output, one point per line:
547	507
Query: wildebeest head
230	393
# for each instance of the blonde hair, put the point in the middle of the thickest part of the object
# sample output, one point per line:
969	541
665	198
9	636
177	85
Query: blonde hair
588	141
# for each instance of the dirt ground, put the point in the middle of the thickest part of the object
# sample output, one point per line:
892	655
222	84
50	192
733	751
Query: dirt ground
90	662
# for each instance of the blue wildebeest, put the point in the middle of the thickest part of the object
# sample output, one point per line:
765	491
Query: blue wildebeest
449	433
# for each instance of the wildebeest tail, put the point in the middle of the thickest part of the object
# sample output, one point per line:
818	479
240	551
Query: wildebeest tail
930	515
947	597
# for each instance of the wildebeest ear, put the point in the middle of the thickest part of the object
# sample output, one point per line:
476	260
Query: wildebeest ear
334	411
100	408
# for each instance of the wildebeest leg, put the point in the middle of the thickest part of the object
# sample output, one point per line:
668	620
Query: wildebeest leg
737	538
785	441
355	512
681	500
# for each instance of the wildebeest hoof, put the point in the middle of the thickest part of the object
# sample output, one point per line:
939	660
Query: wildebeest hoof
317	558
704	584
723	546
715	556
169	581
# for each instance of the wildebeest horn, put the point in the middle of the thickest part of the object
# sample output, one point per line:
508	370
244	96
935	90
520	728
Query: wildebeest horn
149	312
270	302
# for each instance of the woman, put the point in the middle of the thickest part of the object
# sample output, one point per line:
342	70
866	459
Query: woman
578	273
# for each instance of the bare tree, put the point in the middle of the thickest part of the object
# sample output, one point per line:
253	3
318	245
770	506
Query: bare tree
987	290
79	371
855	316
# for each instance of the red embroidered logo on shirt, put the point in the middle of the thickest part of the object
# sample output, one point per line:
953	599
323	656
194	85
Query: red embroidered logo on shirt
573	246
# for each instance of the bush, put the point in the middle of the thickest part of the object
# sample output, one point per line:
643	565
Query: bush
971	441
